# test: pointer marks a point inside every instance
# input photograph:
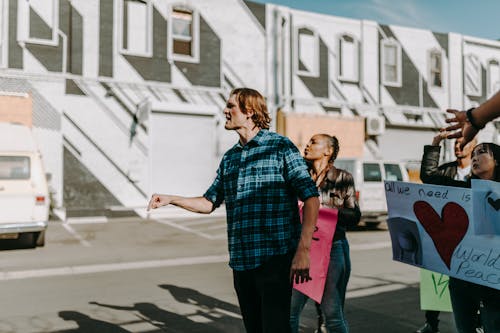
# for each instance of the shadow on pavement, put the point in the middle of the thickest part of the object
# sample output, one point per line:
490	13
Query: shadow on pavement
88	324
221	314
210	315
166	321
395	311
191	296
389	312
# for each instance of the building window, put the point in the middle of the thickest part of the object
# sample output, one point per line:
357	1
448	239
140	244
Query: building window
39	22
307	60
435	68
493	77
472	76
391	63
184	34
136	27
348	59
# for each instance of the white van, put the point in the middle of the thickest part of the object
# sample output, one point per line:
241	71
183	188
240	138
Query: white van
369	179
24	194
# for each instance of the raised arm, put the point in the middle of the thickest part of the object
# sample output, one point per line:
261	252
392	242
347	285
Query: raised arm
430	159
481	115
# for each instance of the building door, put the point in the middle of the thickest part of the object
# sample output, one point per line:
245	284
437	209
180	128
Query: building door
183	152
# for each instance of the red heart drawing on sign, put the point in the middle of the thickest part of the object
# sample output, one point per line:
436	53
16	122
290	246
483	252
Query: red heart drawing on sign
446	231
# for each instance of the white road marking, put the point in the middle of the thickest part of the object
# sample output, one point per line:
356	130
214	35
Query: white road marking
87	220
229	313
76	235
187	229
215	227
99	268
371	246
374	290
197	222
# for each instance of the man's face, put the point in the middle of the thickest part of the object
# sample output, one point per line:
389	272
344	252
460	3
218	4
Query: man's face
463	152
235	118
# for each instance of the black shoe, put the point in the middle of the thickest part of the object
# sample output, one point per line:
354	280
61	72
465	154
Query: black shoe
427	329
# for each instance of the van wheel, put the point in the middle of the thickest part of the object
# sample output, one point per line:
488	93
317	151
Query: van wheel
40	238
28	239
372	225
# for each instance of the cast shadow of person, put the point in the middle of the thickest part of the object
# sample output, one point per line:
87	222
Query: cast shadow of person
165	320
87	324
222	313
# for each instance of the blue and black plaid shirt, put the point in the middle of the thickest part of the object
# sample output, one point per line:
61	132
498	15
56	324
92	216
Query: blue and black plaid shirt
260	183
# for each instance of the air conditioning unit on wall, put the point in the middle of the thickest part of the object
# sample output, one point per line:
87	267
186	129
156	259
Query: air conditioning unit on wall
375	125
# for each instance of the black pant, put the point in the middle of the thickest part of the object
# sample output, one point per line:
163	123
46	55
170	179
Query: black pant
432	318
264	294
467	299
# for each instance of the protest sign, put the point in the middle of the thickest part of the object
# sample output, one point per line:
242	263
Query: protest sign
320	254
434	292
450	230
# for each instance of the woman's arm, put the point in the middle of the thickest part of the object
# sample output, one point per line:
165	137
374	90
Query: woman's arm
481	115
349	216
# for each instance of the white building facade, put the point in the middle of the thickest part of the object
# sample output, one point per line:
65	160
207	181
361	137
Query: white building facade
128	94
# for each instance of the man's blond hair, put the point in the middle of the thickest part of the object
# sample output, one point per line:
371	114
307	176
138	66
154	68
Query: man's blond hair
251	100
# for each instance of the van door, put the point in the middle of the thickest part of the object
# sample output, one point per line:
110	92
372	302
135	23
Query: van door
372	198
17	199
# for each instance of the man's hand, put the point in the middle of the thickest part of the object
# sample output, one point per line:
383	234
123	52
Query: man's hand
461	126
158	200
300	267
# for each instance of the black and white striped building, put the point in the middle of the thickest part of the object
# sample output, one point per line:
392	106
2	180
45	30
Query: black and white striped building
128	94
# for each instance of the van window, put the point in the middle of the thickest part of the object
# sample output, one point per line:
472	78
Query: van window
393	172
347	165
14	167
372	172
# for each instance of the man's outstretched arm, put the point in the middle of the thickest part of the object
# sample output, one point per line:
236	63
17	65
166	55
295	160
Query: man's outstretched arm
194	204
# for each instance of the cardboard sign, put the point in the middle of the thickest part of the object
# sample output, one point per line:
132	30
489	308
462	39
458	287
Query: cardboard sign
450	230
434	292
320	254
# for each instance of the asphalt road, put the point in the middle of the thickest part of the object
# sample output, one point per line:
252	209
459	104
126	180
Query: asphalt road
171	275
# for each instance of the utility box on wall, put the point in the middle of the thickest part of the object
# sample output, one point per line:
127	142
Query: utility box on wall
375	125
300	127
16	108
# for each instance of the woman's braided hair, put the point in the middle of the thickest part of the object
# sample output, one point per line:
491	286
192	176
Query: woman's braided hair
333	142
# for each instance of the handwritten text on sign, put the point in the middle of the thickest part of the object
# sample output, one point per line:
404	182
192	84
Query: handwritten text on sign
447	229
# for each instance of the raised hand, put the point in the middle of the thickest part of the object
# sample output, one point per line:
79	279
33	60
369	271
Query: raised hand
460	126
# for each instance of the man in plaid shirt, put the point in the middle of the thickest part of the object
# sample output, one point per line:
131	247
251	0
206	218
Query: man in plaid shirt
260	179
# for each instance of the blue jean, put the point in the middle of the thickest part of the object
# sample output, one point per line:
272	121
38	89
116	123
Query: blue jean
466	299
333	300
